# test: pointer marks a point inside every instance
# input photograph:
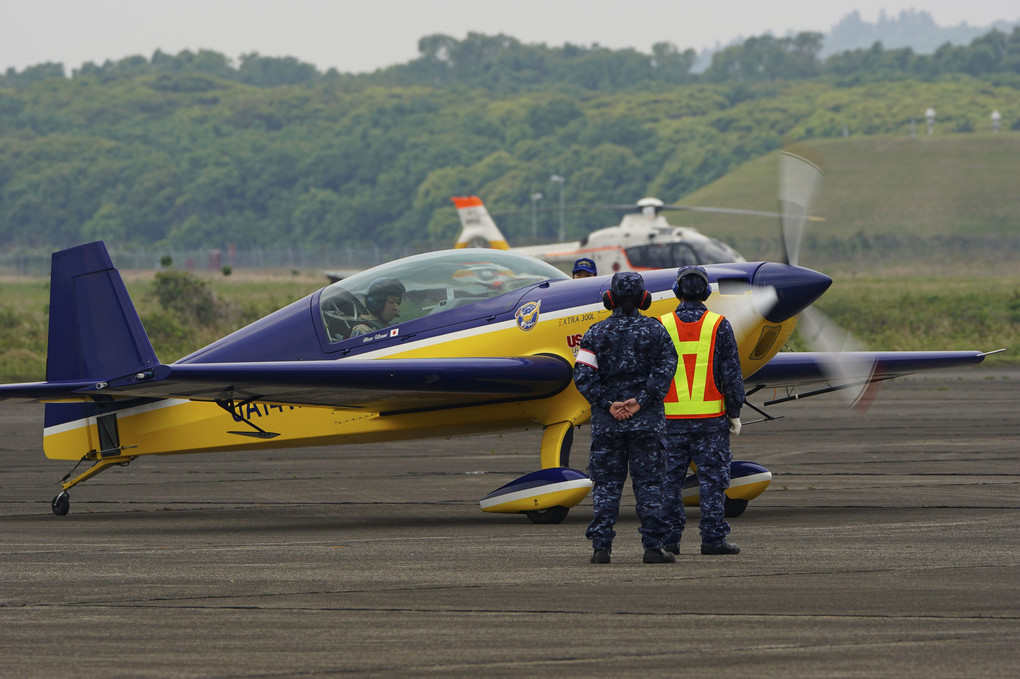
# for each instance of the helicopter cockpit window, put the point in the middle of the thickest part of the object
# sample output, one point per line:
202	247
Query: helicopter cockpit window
662	255
715	252
424	285
687	253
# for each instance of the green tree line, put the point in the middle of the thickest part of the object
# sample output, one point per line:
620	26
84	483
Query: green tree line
193	151
500	63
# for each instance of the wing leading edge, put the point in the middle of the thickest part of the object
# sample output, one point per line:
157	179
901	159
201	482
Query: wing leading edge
803	368
383	385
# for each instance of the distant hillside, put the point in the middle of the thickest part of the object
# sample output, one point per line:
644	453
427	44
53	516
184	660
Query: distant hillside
888	201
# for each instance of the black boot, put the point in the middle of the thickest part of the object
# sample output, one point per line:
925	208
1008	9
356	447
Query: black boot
720	547
672	548
600	556
658	556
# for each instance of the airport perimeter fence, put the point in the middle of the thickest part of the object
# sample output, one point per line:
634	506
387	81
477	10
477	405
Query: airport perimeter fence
349	259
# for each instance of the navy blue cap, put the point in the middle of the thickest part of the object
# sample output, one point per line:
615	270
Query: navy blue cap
585	264
692	283
628	284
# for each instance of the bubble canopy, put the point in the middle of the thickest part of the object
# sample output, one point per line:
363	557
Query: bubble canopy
433	282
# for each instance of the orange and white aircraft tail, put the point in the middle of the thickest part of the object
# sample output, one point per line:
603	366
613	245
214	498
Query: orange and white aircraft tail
479	231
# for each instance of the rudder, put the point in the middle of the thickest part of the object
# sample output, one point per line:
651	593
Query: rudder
95	331
477	228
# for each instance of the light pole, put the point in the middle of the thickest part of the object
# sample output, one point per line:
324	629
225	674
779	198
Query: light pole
535	197
561	181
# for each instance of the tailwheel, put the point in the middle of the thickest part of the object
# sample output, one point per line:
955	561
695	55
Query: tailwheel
734	507
549	515
61	503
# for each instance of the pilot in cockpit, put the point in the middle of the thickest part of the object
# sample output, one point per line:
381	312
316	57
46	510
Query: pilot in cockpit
383	303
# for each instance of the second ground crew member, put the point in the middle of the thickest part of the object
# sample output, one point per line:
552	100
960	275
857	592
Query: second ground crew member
585	268
624	367
702	409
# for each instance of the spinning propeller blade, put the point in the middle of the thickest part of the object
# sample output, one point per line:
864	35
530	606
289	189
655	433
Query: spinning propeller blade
846	367
799	179
747	316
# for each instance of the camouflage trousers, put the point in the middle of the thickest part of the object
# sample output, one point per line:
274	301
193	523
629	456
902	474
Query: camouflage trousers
710	451
611	454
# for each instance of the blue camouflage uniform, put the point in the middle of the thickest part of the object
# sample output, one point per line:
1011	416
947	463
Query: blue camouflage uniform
705	441
636	359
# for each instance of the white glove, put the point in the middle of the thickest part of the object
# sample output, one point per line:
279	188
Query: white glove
734	426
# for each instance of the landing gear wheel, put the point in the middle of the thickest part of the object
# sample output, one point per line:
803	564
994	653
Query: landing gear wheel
734	507
61	503
549	515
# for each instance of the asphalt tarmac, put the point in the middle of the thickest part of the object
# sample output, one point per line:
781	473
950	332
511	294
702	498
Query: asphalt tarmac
887	546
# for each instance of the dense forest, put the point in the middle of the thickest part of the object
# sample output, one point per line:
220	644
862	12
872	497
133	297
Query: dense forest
193	151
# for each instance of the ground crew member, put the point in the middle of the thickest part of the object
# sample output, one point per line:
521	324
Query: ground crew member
624	367
585	268
702	410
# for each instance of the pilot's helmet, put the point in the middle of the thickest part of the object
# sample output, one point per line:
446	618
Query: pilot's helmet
692	284
379	290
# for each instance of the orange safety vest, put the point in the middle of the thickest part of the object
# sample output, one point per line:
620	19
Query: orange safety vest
693	393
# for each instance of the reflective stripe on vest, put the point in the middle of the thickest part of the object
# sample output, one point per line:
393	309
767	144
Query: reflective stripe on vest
693	392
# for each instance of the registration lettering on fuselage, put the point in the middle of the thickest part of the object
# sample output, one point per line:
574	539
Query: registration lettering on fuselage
254	409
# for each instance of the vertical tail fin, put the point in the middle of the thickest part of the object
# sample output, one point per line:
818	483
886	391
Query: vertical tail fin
95	332
479	231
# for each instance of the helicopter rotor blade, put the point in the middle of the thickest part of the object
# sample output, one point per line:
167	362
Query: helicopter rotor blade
735	211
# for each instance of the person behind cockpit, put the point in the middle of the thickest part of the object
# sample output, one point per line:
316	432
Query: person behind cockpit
585	268
383	303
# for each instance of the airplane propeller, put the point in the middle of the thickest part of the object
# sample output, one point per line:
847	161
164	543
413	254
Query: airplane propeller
799	180
848	370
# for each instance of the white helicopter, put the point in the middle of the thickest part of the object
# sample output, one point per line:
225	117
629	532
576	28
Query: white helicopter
642	241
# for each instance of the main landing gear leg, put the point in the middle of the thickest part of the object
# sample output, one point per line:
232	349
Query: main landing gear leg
555	452
556	441
61	504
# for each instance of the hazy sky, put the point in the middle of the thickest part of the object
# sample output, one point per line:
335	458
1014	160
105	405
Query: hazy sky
369	34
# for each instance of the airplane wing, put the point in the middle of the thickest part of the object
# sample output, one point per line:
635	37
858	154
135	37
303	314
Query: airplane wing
860	371
383	385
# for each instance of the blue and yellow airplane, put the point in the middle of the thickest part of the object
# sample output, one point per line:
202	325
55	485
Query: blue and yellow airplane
484	341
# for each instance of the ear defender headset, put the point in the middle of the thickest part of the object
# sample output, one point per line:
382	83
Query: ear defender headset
692	283
627	286
379	291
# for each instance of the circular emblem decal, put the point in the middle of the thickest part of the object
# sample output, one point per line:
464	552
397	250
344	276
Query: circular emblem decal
527	315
